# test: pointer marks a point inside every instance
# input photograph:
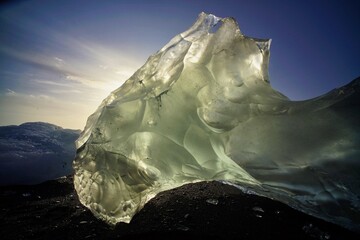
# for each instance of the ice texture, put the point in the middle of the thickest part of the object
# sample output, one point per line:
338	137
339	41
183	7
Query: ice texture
202	109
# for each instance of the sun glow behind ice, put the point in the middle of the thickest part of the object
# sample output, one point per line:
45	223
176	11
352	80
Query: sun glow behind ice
64	89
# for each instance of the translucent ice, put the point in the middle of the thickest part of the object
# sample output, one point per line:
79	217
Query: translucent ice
202	108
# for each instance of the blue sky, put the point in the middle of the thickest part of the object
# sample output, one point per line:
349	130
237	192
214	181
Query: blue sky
59	59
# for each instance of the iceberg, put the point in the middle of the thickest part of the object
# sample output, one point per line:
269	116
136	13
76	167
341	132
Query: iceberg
201	109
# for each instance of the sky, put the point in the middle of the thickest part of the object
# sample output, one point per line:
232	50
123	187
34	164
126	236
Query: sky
60	59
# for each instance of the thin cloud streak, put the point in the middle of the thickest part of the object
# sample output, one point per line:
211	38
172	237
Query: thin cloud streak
46	82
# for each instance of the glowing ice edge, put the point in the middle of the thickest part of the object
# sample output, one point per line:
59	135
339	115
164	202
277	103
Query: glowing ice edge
202	109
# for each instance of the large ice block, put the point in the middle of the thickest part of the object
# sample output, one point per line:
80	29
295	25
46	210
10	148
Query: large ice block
202	108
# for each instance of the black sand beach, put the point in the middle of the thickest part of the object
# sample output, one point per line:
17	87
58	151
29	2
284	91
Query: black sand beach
206	210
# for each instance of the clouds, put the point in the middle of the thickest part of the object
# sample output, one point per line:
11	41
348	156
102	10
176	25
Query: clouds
10	92
58	77
60	92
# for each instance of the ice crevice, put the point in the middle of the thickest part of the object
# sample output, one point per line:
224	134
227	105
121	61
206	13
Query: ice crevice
202	108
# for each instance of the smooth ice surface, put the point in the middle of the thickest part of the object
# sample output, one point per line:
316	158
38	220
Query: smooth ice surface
202	108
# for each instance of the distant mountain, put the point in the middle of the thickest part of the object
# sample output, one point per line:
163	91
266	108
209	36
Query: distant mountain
35	152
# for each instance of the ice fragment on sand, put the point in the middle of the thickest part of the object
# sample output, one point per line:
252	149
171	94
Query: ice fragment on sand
258	209
212	201
202	109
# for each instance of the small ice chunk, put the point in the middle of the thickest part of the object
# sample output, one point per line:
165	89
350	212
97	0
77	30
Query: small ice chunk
212	201
183	228
258	209
315	232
